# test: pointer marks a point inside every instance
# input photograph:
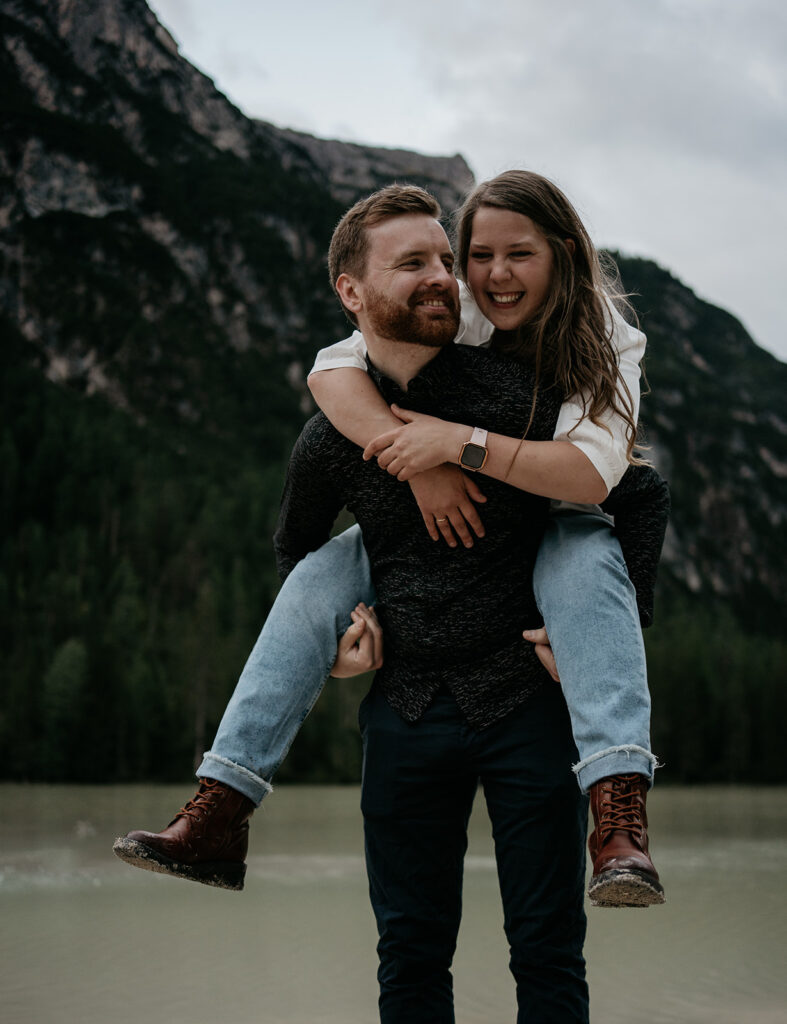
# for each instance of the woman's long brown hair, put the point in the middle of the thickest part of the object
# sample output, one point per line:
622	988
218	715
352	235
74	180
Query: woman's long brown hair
569	341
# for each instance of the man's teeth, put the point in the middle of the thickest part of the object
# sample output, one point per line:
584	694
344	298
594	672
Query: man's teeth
433	302
508	297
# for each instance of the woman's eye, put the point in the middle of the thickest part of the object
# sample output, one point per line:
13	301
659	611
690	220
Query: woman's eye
521	254
477	256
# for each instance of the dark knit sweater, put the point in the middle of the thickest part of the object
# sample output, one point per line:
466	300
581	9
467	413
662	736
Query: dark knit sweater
451	617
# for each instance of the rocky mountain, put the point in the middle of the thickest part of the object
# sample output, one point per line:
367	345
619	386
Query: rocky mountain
126	171
355	170
716	421
163	291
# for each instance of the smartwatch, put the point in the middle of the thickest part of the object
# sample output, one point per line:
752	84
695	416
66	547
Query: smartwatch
474	452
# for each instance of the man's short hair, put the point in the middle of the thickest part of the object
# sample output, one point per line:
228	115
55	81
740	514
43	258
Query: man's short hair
349	248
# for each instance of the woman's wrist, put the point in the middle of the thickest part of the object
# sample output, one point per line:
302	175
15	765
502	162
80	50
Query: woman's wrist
459	434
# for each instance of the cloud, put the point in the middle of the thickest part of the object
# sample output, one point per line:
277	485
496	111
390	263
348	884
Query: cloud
664	122
706	78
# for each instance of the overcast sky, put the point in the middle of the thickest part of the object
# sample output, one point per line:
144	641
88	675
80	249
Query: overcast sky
665	121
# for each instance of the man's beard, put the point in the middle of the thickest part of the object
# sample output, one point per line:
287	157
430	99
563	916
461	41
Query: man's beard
404	323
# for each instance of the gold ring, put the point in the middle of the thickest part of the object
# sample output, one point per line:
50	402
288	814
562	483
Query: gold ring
443	520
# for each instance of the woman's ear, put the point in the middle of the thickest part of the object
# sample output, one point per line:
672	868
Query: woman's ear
571	246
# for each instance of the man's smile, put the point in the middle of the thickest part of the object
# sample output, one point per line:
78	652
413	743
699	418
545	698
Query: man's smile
440	302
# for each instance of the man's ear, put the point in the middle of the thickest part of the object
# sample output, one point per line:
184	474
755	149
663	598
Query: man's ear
347	289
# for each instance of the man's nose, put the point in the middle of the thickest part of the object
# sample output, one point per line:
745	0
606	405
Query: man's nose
439	274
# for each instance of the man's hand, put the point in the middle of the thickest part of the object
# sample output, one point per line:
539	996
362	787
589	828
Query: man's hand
445	496
543	650
361	648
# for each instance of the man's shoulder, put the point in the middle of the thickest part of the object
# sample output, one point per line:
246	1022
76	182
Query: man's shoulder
315	428
320	437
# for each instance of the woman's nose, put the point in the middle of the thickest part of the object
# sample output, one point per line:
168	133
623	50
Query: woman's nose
499	270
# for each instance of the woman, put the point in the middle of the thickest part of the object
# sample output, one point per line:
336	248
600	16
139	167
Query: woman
535	277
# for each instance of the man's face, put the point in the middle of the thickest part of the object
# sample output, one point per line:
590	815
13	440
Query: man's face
409	291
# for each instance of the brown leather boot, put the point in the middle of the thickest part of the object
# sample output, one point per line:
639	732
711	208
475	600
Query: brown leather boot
205	842
623	873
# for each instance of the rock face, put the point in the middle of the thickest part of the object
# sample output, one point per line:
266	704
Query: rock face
165	252
716	421
125	163
353	170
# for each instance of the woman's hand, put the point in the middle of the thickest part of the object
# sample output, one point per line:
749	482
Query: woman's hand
361	647
543	650
421	443
445	496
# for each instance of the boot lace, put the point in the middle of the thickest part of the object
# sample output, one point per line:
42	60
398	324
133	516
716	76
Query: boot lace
621	810
203	800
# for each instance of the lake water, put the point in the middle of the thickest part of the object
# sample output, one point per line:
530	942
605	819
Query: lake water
87	939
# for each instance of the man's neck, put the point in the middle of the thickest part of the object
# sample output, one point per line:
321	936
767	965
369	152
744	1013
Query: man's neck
399	360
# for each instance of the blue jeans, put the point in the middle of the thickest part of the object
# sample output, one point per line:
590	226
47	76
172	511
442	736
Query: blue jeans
419	781
590	612
589	607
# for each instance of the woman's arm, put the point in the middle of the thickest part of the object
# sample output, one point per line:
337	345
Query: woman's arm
581	464
553	469
352	403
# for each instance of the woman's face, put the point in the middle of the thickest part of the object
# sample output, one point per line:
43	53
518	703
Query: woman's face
509	266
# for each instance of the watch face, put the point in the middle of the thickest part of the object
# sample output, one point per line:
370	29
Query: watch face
473	455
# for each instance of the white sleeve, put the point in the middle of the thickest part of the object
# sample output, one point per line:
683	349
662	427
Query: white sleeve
474	328
349	352
606	448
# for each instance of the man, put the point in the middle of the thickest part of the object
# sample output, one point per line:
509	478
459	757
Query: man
461	698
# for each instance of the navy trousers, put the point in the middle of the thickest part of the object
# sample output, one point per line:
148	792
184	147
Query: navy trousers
419	781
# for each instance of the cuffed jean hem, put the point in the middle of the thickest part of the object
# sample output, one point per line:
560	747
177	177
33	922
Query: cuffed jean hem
626	759
221	769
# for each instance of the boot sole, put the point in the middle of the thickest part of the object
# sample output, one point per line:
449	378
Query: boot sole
221	876
625	888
